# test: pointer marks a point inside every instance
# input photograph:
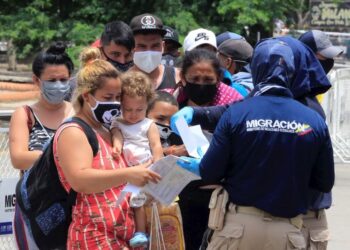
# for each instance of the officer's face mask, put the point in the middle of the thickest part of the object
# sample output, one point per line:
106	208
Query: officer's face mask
327	65
147	61
54	92
105	112
167	136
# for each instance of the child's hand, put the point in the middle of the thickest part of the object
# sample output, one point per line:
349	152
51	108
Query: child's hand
140	175
176	150
116	152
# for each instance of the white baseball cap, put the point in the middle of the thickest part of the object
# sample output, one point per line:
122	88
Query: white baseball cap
198	37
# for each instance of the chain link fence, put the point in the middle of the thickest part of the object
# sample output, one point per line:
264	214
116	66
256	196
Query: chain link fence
7	242
6	169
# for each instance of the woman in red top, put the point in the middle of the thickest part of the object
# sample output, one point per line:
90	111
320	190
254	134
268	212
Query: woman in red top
98	220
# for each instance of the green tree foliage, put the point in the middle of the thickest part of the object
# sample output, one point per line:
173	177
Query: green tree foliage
32	25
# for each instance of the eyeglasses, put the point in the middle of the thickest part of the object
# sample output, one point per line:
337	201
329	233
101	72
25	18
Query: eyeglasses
227	56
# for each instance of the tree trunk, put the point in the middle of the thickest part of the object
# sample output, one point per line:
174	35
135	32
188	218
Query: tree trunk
302	14
11	55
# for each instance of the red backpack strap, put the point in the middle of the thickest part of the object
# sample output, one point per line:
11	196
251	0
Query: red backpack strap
29	116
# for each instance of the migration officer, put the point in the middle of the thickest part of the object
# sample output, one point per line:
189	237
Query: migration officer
268	151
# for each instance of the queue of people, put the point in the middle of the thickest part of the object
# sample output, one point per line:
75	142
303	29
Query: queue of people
270	149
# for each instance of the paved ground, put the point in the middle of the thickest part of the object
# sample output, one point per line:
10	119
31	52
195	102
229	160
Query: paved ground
339	213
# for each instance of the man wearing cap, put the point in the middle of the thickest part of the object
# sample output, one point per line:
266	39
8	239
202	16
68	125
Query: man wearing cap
322	46
116	45
325	52
171	47
226	36
315	228
234	55
148	34
200	38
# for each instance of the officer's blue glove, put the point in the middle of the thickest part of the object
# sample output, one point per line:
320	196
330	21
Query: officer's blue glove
186	113
190	164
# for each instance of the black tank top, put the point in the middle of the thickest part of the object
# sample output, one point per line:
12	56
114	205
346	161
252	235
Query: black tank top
168	81
39	135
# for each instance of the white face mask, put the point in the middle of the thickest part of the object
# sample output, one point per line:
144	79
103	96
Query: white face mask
147	61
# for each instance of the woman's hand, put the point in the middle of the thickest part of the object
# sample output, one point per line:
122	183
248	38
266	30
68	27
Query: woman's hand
140	175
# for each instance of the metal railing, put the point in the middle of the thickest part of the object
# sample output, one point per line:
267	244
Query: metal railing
337	107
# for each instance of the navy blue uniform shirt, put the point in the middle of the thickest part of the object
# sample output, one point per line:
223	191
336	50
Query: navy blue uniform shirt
270	150
309	80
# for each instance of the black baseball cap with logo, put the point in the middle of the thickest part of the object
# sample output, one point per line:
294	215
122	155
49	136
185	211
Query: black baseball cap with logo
147	23
172	36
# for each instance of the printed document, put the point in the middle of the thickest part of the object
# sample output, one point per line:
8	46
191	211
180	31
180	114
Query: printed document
193	138
174	179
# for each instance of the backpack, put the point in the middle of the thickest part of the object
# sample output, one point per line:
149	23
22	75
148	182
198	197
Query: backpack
45	205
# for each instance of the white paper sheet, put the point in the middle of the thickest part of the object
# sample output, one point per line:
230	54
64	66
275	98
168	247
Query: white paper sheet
192	137
129	188
174	179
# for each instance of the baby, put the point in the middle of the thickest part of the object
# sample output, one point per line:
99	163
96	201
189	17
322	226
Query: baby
137	137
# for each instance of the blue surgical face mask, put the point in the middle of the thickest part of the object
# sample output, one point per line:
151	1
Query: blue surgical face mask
105	112
55	92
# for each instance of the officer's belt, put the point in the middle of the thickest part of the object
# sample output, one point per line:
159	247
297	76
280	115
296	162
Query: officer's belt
296	221
314	214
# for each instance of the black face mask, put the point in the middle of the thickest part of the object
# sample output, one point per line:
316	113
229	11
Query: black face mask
327	65
200	93
104	112
123	67
167	136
